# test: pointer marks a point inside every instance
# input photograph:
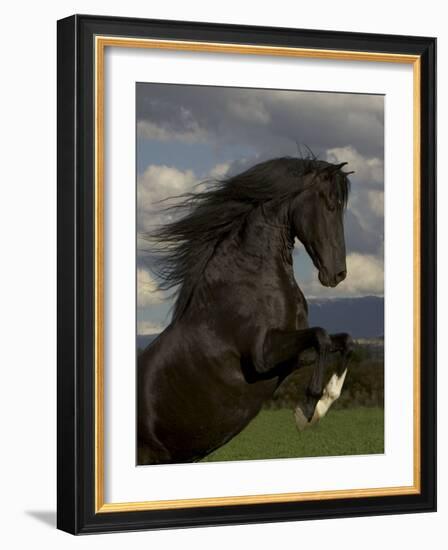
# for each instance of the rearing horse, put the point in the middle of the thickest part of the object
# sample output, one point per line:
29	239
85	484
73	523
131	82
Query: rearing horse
240	321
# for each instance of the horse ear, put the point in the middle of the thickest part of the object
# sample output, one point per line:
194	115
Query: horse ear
333	168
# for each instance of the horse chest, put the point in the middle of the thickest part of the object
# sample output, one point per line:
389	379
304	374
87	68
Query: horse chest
286	309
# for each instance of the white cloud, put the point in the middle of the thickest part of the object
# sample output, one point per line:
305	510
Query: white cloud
365	276
376	201
367	170
161	182
149	327
192	133
147	290
220	170
368	208
157	183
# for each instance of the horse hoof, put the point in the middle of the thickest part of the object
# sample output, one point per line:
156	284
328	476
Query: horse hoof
301	420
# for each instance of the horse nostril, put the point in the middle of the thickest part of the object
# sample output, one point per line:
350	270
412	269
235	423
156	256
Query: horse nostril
341	275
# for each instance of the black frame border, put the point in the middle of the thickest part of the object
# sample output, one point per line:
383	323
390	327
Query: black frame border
76	262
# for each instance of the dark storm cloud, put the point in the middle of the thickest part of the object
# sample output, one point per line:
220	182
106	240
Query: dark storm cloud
191	122
270	120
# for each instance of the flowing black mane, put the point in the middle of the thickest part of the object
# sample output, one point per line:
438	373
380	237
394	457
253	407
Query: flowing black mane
184	247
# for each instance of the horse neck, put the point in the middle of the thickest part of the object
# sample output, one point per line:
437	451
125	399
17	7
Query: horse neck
267	234
262	241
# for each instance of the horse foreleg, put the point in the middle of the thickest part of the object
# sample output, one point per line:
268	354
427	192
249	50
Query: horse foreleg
283	346
343	344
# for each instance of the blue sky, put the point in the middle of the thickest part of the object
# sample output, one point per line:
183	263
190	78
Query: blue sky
186	134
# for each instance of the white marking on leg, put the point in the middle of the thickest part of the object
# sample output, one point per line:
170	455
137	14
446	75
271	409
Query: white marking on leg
334	386
331	392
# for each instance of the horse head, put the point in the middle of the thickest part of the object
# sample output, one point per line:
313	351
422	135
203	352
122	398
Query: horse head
317	220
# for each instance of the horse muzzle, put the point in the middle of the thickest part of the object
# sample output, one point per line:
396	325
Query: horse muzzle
331	280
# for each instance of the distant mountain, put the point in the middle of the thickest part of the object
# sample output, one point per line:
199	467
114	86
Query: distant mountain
360	317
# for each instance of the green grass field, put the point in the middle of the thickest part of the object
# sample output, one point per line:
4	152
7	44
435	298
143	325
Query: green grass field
272	434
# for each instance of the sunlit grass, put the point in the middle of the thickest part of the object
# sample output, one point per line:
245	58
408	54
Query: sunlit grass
273	434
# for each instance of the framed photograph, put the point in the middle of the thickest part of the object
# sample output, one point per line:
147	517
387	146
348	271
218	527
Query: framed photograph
246	274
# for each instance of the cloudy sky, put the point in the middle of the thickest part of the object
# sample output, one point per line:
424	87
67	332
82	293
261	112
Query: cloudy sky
187	134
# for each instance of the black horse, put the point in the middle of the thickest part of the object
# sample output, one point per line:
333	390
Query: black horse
240	321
